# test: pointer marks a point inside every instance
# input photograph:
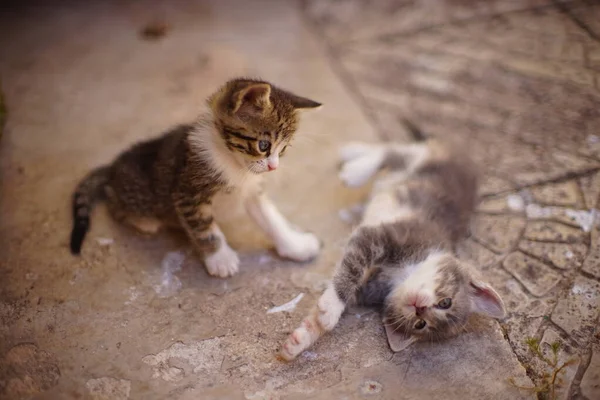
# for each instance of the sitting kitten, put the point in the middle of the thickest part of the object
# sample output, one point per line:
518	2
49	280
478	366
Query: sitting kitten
401	257
172	179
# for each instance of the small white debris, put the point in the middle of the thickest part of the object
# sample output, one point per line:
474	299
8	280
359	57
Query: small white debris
577	290
585	219
593	139
515	202
289	306
311	355
105	241
31	276
264	259
170	284
536	211
569	254
134	293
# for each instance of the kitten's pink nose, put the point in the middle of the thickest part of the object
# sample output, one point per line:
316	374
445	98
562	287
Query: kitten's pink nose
272	163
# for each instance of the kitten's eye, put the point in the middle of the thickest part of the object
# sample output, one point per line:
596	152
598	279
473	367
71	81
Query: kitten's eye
420	324
445	304
264	145
283	150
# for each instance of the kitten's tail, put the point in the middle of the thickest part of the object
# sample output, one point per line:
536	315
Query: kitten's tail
89	190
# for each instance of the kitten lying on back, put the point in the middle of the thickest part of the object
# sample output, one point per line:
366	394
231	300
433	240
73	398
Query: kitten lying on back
401	257
171	180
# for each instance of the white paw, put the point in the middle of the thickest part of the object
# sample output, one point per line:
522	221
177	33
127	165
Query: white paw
353	150
330	308
223	263
358	171
296	343
299	246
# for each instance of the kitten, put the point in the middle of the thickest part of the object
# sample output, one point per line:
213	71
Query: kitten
400	258
171	180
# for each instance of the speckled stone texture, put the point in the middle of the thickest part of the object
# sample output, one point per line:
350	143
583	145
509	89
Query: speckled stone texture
516	82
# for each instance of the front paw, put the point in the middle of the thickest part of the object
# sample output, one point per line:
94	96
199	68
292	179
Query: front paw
299	247
223	263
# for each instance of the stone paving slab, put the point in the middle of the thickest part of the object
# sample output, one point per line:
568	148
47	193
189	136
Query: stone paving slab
517	84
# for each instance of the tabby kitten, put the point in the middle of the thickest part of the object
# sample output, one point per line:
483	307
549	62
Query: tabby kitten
172	180
400	258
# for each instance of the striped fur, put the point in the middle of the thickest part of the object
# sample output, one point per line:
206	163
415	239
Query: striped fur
173	179
400	258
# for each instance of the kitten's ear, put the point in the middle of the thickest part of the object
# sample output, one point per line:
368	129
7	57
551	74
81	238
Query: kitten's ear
485	300
253	99
397	340
302	103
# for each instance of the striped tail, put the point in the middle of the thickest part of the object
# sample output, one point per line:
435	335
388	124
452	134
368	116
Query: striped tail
89	190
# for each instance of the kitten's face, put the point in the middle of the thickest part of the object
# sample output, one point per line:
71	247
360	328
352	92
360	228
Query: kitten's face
258	121
436	299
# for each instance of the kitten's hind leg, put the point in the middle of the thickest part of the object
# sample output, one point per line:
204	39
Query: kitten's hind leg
363	164
322	318
363	160
353	150
144	225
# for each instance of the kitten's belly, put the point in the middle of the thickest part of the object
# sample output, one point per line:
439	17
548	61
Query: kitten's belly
384	207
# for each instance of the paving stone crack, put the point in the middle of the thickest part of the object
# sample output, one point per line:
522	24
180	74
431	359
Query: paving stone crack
582	25
584	364
556	179
543	261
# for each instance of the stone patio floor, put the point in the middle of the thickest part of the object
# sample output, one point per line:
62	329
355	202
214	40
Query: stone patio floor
516	82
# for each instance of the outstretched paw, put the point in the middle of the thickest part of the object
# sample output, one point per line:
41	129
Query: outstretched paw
299	246
223	263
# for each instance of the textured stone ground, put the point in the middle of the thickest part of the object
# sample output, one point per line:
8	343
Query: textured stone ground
516	82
